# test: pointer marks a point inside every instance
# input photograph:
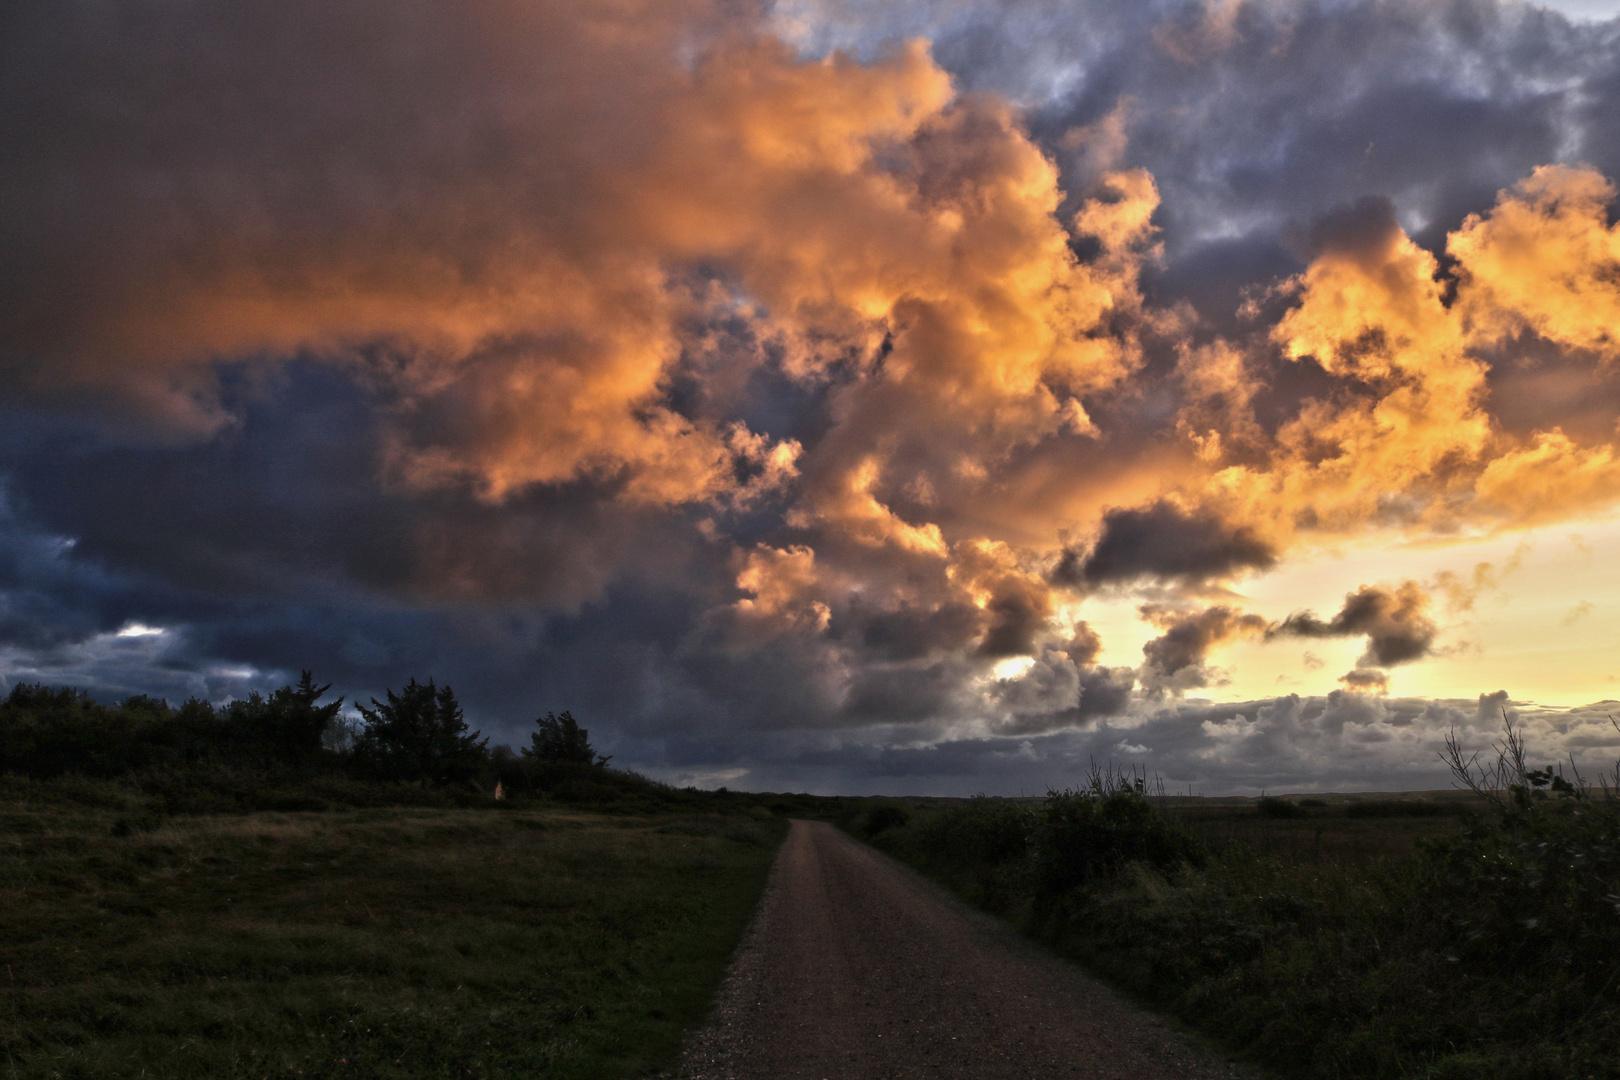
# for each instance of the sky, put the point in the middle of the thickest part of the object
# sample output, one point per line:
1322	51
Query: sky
829	395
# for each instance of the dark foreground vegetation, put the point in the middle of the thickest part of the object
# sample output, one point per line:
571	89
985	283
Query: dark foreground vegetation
262	890
257	891
1417	939
392	942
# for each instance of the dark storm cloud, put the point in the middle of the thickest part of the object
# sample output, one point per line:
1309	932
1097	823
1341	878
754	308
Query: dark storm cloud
585	364
1163	541
1262	114
288	497
1175	661
1064	687
908	633
1018	614
1104	691
273	549
1360	231
626	661
1366	680
1050	698
1258	117
433	196
68	619
901	696
1396	621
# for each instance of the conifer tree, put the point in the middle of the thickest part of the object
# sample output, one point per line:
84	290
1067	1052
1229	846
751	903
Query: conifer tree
419	734
560	738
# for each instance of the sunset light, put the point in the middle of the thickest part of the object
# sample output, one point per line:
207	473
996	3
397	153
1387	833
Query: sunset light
842	397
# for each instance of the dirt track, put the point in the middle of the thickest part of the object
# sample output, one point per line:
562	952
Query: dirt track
856	968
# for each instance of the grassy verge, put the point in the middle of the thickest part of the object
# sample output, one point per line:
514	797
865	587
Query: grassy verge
1328	946
408	942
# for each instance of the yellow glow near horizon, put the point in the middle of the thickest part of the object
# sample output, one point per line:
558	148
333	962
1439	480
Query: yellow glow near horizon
1547	630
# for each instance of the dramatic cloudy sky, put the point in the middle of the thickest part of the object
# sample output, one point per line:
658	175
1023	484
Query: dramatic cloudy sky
828	395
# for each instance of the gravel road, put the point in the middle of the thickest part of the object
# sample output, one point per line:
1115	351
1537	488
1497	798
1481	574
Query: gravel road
857	968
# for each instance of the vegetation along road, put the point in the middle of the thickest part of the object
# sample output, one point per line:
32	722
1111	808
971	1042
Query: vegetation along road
857	968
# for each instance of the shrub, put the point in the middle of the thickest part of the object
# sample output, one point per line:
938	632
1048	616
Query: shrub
1079	836
1534	882
1272	807
47	732
984	832
1491	952
980	848
885	816
1536	888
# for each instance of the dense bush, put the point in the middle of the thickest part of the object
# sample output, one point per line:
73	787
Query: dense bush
979	847
288	726
1080	836
997	851
1536	889
1272	807
885	816
46	732
982	832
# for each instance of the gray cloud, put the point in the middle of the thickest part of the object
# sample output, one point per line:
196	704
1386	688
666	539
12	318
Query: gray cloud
1175	661
1258	117
250	507
1366	680
1339	742
1395	620
1163	541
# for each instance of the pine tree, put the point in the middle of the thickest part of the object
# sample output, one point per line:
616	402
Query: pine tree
560	738
285	727
419	734
305	723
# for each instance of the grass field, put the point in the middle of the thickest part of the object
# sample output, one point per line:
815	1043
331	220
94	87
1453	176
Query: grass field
382	942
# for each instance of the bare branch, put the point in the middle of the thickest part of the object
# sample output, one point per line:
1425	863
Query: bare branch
1468	773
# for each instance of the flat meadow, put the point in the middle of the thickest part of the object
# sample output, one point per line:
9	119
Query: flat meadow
380	942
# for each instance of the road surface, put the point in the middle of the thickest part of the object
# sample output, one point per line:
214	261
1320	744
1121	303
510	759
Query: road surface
857	968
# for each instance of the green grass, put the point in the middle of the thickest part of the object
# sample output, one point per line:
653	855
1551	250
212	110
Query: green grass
390	942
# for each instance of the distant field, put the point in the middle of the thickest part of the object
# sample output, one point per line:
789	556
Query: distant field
1323	831
386	942
1326	833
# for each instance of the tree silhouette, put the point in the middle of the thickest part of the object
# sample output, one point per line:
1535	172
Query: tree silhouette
287	726
560	738
419	734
